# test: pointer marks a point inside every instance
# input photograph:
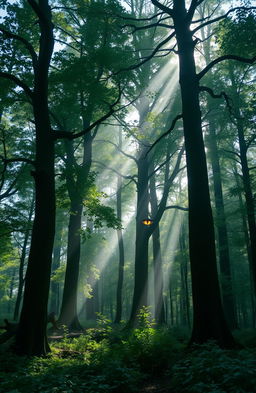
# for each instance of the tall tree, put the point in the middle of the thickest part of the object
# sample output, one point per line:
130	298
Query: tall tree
209	321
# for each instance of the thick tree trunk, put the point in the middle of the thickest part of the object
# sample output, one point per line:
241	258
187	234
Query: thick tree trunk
224	258
31	337
140	295
209	321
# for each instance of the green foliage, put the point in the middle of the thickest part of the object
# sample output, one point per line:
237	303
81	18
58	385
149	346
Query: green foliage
152	349
243	27
99	213
210	369
110	359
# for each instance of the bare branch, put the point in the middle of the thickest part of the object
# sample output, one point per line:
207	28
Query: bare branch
145	27
157	48
223	58
217	19
194	4
207	17
220	95
162	7
161	165
177	207
132	178
139	19
178	117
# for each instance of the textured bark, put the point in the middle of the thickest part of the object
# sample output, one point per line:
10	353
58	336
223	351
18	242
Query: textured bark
140	295
31	337
209	321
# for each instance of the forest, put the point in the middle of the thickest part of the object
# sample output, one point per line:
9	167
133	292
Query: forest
127	189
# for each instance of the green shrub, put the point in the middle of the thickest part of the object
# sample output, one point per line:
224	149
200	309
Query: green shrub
210	369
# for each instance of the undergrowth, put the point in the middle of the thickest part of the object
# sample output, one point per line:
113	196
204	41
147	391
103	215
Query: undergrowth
110	359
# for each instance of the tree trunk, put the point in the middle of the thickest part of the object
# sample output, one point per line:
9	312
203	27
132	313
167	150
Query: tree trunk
68	314
22	262
55	296
250	208
248	248
76	189
120	248
31	338
157	260
140	295
184	279
224	258
209	321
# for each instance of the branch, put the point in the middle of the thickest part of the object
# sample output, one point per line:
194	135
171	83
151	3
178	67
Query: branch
177	207
132	178
18	82
139	19
217	19
18	159
220	95
133	67
162	7
25	42
207	17
178	117
222	58
118	148
70	135
36	8
145	27
161	165
194	4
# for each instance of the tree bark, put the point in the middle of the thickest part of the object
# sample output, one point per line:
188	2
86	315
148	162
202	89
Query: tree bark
209	321
140	295
31	338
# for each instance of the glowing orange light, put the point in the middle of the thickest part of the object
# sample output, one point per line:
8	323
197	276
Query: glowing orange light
147	222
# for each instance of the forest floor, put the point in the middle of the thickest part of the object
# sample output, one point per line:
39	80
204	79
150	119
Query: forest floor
145	360
160	385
